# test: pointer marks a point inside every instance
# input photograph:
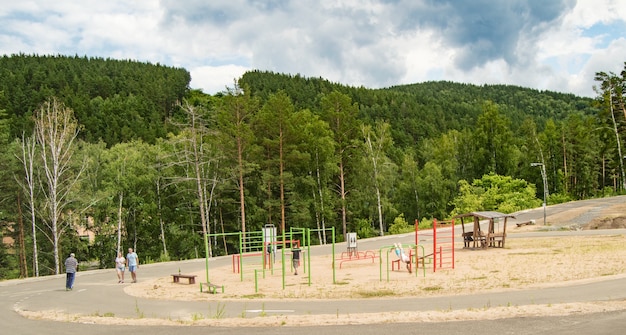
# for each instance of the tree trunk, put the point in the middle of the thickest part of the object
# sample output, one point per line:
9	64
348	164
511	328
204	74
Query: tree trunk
161	223
20	220
342	191
28	157
373	156
120	198
241	187
282	185
617	139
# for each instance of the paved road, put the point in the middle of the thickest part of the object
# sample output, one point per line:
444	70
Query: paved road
97	293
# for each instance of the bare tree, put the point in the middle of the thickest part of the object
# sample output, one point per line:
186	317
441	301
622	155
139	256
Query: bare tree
56	129
28	159
200	163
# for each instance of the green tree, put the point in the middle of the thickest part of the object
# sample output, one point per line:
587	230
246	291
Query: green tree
434	190
377	142
321	167
493	137
495	193
407	195
276	133
341	114
580	155
235	113
128	176
611	100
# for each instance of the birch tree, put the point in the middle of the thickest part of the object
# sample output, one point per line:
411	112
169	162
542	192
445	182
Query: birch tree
28	184
56	129
376	142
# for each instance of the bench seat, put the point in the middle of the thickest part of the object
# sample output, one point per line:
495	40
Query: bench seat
191	278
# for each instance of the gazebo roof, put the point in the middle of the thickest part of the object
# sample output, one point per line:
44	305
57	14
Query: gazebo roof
486	215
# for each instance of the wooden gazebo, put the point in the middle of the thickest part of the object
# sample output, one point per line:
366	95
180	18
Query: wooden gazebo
492	237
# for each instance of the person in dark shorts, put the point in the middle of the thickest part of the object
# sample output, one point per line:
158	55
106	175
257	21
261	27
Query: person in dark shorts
295	259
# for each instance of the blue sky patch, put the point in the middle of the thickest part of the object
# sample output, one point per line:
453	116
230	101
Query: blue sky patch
607	33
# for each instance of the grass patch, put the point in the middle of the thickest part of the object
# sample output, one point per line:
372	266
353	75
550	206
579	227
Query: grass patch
254	296
219	311
432	288
375	294
106	314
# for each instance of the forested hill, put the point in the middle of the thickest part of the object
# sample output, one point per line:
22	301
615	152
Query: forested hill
120	100
427	109
115	100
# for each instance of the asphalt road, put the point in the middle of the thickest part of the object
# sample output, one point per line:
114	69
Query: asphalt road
97	293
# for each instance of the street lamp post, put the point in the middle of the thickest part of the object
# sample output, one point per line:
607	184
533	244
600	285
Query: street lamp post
545	188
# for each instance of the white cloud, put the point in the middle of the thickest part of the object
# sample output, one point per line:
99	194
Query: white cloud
214	79
374	43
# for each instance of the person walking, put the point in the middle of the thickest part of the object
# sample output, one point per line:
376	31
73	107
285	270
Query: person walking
132	262
71	266
120	267
295	259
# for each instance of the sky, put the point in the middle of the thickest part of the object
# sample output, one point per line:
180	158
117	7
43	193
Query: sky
555	45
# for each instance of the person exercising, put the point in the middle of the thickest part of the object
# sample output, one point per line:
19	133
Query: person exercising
403	256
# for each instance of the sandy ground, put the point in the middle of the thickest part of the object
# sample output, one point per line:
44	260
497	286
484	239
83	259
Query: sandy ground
524	263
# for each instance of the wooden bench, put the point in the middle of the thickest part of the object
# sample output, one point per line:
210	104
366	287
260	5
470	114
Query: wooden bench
527	223
478	239
496	240
211	288
191	278
467	239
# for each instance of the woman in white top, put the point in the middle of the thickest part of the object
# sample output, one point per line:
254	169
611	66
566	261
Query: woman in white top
120	267
403	256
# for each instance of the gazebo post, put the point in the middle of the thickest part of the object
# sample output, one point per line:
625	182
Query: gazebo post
504	231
